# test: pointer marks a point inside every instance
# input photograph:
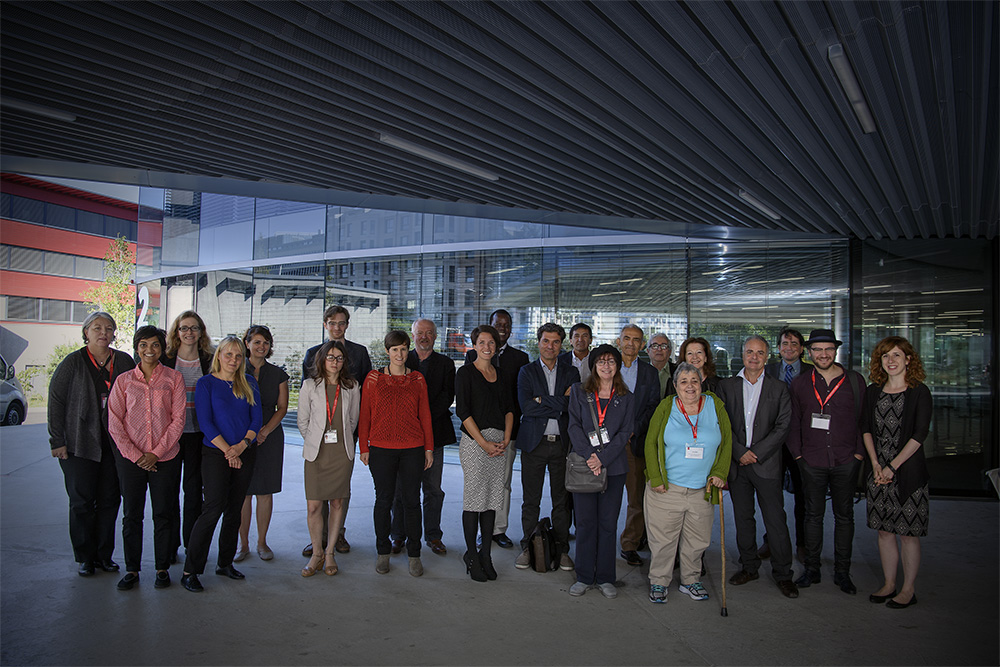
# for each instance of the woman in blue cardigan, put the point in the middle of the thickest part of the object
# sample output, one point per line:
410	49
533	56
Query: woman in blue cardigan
228	405
604	398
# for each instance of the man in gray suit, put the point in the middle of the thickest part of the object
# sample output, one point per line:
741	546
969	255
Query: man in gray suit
759	409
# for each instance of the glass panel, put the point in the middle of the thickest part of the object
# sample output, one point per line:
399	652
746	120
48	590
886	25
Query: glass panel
226	229
91	223
374	228
22	308
26	259
5	205
460	229
27	210
89	268
114	227
283	228
181	222
58	264
55	310
4	257
223	299
176	296
373	312
62	216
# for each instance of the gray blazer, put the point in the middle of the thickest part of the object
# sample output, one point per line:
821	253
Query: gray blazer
770	426
312	416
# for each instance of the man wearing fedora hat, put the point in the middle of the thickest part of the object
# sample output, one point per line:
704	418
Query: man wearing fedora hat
825	441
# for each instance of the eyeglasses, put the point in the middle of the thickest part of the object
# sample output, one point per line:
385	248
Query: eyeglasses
659	346
337	359
194	329
336	323
605	362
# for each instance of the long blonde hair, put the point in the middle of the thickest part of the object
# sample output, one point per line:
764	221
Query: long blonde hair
241	387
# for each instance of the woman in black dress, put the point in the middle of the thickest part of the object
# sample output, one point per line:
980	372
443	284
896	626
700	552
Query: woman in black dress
896	420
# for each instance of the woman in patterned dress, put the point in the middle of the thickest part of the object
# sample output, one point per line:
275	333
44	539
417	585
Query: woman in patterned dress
896	420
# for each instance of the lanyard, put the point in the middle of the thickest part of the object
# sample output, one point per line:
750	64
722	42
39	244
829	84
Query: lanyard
330	411
601	413
109	366
822	403
694	426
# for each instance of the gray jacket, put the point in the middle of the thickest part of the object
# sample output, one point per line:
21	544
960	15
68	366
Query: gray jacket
74	420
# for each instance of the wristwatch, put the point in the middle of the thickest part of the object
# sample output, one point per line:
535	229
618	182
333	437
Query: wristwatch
247	440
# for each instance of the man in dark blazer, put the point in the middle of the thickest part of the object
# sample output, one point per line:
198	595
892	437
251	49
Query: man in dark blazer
509	360
644	382
759	409
791	347
439	372
580	338
543	393
336	319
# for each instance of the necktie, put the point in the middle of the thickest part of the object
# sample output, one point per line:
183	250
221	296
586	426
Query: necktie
788	375
496	359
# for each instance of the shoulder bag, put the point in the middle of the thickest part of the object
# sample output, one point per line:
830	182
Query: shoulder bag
579	477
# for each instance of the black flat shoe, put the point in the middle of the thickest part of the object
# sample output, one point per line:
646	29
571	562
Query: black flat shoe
229	571
503	541
86	570
892	604
845	583
190	582
162	579
632	558
108	565
808	578
128	581
880	599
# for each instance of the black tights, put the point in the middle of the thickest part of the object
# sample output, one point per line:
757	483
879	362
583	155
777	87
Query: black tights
484	522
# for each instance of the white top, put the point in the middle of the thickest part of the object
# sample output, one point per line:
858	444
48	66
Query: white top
751	399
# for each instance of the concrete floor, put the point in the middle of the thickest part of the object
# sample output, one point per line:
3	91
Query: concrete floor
52	616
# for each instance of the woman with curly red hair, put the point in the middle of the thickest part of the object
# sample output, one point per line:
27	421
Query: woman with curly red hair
895	423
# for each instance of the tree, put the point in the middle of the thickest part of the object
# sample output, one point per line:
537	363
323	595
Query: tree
116	295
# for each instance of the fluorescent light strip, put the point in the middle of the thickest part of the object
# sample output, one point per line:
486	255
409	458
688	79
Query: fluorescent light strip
849	82
435	156
756	203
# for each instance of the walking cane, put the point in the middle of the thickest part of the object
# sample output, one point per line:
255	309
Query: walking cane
722	526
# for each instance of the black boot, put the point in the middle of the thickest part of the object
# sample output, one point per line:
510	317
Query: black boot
486	561
486	523
473	566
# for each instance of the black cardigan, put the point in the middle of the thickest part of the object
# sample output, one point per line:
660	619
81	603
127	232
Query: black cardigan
915	425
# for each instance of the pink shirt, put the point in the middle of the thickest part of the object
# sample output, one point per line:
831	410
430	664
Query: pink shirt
147	417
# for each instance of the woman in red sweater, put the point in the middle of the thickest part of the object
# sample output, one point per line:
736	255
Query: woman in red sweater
397	443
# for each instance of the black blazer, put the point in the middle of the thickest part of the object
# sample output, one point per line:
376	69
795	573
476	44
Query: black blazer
770	424
773	369
440	377
647	397
203	357
510	363
357	359
618	419
534	415
915	424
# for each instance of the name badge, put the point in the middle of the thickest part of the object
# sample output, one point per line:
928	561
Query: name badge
594	441
821	421
104	401
694	452
330	437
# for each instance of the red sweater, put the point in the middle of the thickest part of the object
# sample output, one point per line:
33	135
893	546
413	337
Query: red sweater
395	412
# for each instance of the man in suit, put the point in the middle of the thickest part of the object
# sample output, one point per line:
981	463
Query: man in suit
760	410
509	360
543	393
439	372
644	383
580	338
660	349
336	319
791	347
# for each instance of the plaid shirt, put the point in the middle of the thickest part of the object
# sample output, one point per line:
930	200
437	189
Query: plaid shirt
147	417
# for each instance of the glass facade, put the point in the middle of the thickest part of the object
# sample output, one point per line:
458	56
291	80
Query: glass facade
242	261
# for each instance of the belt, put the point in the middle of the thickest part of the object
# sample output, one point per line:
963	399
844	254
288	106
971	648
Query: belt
551	438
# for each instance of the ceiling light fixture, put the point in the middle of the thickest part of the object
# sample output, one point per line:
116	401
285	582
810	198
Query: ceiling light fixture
849	82
435	156
753	201
37	109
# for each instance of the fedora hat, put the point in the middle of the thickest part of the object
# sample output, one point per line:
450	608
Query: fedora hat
823	336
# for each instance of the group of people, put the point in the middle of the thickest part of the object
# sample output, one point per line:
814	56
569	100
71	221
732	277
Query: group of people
667	436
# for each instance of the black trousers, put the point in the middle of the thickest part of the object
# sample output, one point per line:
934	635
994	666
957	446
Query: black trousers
163	486
742	489
225	491
430	482
390	467
841	481
551	456
190	459
94	499
597	532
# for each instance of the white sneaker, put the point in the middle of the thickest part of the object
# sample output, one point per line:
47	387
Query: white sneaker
566	563
578	589
695	590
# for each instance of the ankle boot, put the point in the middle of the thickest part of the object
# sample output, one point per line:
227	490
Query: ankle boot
486	560
473	567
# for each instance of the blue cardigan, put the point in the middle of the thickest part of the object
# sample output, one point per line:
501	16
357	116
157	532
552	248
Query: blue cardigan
619	420
221	413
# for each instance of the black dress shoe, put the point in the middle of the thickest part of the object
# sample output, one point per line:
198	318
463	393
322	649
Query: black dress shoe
845	583
229	571
108	565
764	552
880	599
162	579
86	569
632	558
503	541
788	588
743	577
128	581
892	604
190	582
397	546
808	578
307	551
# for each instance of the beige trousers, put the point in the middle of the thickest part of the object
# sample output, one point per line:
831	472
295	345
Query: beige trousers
678	515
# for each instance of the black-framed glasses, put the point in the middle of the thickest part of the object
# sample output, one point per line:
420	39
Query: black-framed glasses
337	359
194	329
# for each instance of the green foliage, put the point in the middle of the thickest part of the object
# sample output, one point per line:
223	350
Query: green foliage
293	366
114	295
26	376
60	352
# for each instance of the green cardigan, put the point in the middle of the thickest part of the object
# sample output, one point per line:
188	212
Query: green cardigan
656	469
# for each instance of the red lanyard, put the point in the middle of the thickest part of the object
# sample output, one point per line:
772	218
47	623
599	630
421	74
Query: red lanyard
330	411
694	426
601	413
822	403
109	366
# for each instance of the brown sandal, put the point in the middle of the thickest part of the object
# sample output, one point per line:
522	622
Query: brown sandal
310	569
331	570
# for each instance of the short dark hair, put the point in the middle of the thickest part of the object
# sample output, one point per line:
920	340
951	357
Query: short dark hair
500	311
485	329
396	337
581	325
259	330
550	327
788	331
149	331
336	310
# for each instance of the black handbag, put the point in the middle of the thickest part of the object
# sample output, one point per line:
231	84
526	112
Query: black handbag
579	477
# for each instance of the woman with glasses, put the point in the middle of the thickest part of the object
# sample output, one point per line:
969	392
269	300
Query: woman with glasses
328	414
273	384
189	351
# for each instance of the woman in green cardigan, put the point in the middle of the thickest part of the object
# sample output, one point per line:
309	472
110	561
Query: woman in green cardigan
689	442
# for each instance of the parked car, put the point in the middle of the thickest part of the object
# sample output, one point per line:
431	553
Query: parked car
13	404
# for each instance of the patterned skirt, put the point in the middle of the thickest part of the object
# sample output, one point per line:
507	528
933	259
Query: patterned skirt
484	476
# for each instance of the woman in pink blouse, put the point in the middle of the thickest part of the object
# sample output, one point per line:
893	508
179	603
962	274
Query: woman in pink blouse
145	420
